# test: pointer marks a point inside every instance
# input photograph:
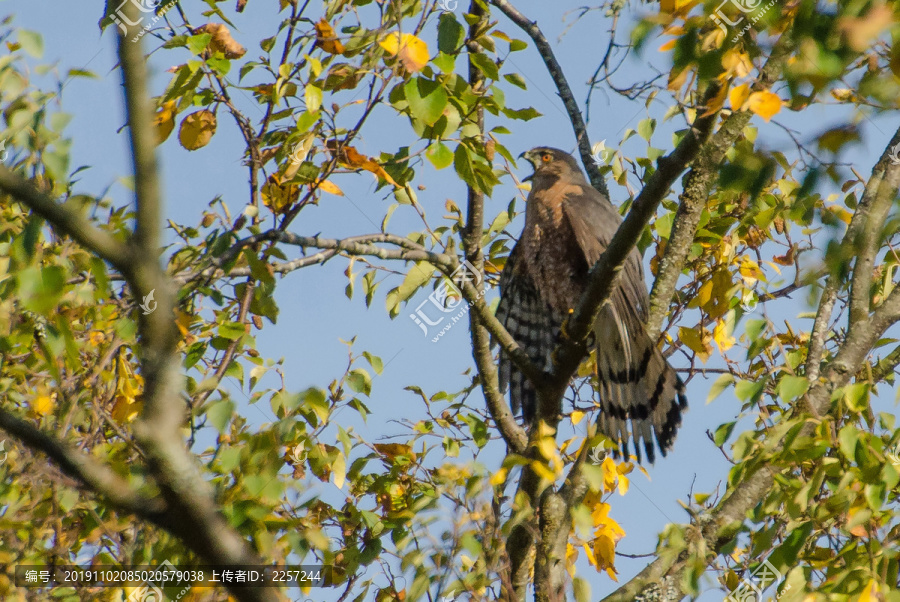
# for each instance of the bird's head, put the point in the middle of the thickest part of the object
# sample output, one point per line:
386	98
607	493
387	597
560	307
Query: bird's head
550	163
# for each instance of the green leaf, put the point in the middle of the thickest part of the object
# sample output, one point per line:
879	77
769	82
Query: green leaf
40	289
645	128
485	65
232	330
426	99
360	381
848	438
462	162
374	361
31	42
792	387
313	97
723	382
723	432
439	155
445	62
451	34
525	114
219	414
516	80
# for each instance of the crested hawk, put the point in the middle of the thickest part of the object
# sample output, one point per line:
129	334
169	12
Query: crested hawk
568	225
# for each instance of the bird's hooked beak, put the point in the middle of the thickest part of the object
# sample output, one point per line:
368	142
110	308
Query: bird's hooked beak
528	156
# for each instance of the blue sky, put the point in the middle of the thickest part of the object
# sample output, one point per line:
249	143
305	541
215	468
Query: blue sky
315	314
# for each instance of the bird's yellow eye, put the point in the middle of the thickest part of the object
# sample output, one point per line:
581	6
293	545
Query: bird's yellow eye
546	157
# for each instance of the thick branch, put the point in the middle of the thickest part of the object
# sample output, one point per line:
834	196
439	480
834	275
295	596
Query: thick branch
510	430
193	511
66	220
871	214
80	466
565	92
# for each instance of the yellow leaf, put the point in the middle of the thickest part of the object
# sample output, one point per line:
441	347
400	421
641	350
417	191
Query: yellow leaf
339	470
330	187
765	104
125	409
722	337
668	45
738	96
737	63
164	121
392	450
750	271
410	50
197	129
624	482
221	40
610	475
843	94
871	593
96	338
543	471
577	416
716	102
499	477
326	38
571	557
277	196
697	340
713	40
43	404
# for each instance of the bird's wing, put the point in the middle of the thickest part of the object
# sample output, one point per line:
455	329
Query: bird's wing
636	385
528	319
594	221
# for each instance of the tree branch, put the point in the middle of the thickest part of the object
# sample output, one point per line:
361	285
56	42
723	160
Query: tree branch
84	468
192	509
66	220
565	92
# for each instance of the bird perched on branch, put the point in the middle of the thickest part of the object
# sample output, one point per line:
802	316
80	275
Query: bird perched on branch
568	225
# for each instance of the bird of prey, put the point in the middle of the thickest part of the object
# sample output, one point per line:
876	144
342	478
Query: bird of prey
568	225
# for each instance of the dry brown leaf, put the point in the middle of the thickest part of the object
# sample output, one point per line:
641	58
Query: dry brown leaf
221	40
197	129
326	38
351	157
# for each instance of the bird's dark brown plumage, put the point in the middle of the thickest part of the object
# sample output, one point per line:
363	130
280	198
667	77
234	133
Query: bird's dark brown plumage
568	225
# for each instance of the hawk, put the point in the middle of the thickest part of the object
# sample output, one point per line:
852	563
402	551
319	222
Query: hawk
568	225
